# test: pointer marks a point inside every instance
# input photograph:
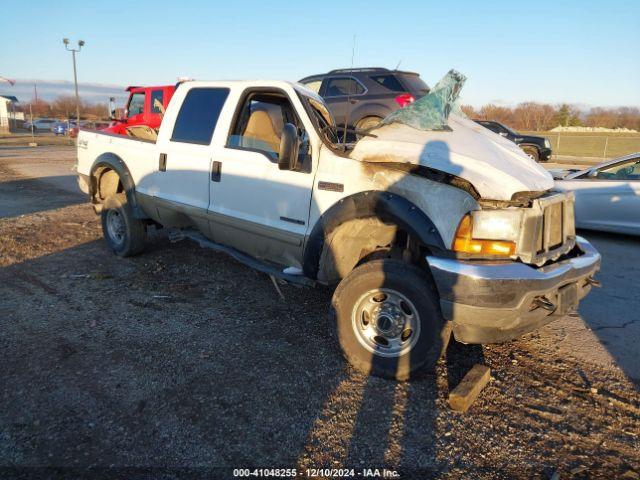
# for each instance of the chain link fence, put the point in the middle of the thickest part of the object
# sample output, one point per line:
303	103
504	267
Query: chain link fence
591	145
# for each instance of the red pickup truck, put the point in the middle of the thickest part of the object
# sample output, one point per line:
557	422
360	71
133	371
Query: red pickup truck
146	106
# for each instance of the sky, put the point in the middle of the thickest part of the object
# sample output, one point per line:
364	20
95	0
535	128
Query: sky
580	52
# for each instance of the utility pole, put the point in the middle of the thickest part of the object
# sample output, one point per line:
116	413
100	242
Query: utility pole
75	74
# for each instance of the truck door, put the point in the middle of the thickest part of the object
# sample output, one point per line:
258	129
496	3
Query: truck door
184	161
254	206
342	95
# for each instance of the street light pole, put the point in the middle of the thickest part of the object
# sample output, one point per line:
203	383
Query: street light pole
75	74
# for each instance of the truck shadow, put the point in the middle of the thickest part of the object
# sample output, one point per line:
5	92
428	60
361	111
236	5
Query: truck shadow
370	422
183	356
26	196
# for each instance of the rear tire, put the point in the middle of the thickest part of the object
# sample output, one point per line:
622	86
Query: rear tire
532	152
125	234
389	321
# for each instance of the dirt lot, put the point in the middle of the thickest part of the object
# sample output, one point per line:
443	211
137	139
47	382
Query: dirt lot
184	363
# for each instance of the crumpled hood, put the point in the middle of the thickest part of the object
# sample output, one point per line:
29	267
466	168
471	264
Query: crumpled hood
495	166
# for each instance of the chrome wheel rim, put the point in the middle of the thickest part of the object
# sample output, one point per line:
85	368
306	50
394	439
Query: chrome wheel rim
116	226
386	322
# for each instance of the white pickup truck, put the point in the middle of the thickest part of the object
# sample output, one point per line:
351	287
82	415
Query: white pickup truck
424	229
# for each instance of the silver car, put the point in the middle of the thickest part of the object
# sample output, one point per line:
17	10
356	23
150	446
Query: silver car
41	124
607	195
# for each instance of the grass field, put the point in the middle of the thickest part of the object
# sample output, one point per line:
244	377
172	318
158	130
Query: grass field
597	144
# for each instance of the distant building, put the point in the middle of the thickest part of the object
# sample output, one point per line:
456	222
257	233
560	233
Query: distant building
8	114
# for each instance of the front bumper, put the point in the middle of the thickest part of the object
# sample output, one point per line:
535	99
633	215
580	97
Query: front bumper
490	302
545	154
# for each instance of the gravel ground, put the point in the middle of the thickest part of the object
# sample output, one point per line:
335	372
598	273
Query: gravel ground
183	363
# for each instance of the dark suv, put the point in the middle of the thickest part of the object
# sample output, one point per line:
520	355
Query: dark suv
538	148
361	97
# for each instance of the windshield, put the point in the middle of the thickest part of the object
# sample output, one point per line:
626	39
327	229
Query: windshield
431	111
510	130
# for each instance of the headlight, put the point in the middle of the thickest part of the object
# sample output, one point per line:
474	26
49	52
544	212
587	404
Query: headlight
491	232
547	143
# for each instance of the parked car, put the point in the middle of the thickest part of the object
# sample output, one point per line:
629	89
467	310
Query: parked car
41	124
61	128
538	148
90	125
361	97
403	223
145	106
607	195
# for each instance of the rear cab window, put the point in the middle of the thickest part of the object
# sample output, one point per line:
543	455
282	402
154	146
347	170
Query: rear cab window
157	101
199	115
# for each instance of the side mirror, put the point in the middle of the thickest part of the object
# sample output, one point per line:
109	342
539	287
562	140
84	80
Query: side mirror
593	173
503	134
289	147
112	109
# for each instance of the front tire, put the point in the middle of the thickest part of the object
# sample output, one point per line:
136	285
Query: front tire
125	234
532	152
389	321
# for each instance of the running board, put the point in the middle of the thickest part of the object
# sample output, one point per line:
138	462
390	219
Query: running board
248	260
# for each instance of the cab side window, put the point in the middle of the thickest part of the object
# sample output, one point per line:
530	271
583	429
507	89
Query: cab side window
259	124
136	104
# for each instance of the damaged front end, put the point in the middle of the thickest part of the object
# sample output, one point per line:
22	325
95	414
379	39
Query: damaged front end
515	217
515	262
434	133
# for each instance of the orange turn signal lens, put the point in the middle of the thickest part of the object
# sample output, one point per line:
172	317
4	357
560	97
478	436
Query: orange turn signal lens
465	243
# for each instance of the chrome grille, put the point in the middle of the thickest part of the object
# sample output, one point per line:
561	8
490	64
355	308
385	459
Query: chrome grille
553	225
549	229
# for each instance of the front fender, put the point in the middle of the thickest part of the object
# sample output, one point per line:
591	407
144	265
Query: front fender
385	206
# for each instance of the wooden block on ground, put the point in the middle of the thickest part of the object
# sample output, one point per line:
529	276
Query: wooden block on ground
461	397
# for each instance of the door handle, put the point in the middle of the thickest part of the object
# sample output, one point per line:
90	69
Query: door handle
162	164
216	169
